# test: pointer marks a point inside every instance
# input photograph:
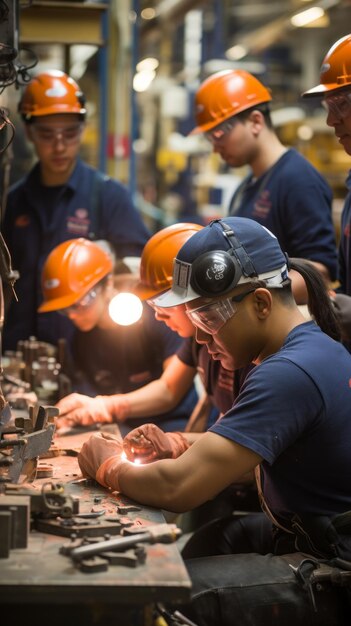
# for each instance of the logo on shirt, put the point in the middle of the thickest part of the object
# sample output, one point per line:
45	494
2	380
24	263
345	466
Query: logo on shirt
22	221
263	205
79	223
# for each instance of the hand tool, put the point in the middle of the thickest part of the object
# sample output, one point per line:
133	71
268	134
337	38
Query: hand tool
159	533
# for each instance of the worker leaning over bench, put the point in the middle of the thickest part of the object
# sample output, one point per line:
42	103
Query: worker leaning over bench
108	359
291	421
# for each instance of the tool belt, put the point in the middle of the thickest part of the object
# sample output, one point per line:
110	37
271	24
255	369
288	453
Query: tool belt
318	535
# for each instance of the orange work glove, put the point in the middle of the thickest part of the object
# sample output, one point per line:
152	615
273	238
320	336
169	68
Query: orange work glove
100	458
77	409
149	443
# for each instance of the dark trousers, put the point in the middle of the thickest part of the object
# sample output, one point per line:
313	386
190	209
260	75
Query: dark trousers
242	575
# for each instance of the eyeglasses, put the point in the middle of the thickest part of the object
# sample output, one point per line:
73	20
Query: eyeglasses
340	106
83	303
222	129
211	317
48	135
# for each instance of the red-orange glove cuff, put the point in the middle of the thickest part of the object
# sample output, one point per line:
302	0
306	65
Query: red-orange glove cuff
110	472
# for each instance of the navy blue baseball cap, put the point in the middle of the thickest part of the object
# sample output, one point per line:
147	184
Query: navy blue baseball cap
252	253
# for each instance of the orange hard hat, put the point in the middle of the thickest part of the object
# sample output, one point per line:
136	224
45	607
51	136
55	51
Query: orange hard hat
70	271
225	94
50	93
156	265
335	72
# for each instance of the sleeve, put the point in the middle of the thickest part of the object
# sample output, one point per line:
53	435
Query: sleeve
186	352
306	217
343	247
123	224
277	402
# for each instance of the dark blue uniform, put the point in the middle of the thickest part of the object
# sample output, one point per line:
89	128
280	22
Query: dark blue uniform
122	359
38	218
293	201
294	411
344	248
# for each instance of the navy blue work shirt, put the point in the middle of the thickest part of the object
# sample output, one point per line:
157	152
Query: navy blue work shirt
292	200
124	358
344	247
38	218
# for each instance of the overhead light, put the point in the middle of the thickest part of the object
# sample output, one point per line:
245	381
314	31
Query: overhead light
148	14
236	52
305	132
147	65
217	65
299	20
143	80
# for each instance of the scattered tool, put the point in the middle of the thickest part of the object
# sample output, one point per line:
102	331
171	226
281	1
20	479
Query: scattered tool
160	533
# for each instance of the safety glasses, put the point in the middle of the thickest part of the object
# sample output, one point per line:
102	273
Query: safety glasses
216	133
82	304
211	317
49	135
339	106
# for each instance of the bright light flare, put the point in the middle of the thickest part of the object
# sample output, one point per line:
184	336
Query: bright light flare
125	309
135	462
307	17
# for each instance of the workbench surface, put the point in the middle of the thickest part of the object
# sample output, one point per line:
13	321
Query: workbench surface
40	575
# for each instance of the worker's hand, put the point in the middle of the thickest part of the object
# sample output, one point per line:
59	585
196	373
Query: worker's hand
342	304
99	447
100	458
149	443
77	409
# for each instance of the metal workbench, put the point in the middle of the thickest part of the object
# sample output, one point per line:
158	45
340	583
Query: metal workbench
39	583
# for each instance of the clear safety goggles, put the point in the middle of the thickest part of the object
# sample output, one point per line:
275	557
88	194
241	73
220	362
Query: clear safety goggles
216	133
339	106
82	304
211	317
49	135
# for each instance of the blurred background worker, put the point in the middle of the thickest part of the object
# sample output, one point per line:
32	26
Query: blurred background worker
108	358
283	191
61	198
335	90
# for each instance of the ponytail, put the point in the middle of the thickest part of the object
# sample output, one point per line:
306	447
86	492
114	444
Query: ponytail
320	305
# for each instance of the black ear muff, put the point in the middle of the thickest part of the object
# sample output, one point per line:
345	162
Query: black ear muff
214	273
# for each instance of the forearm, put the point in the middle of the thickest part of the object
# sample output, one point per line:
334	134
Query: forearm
177	484
157	484
153	399
192	437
